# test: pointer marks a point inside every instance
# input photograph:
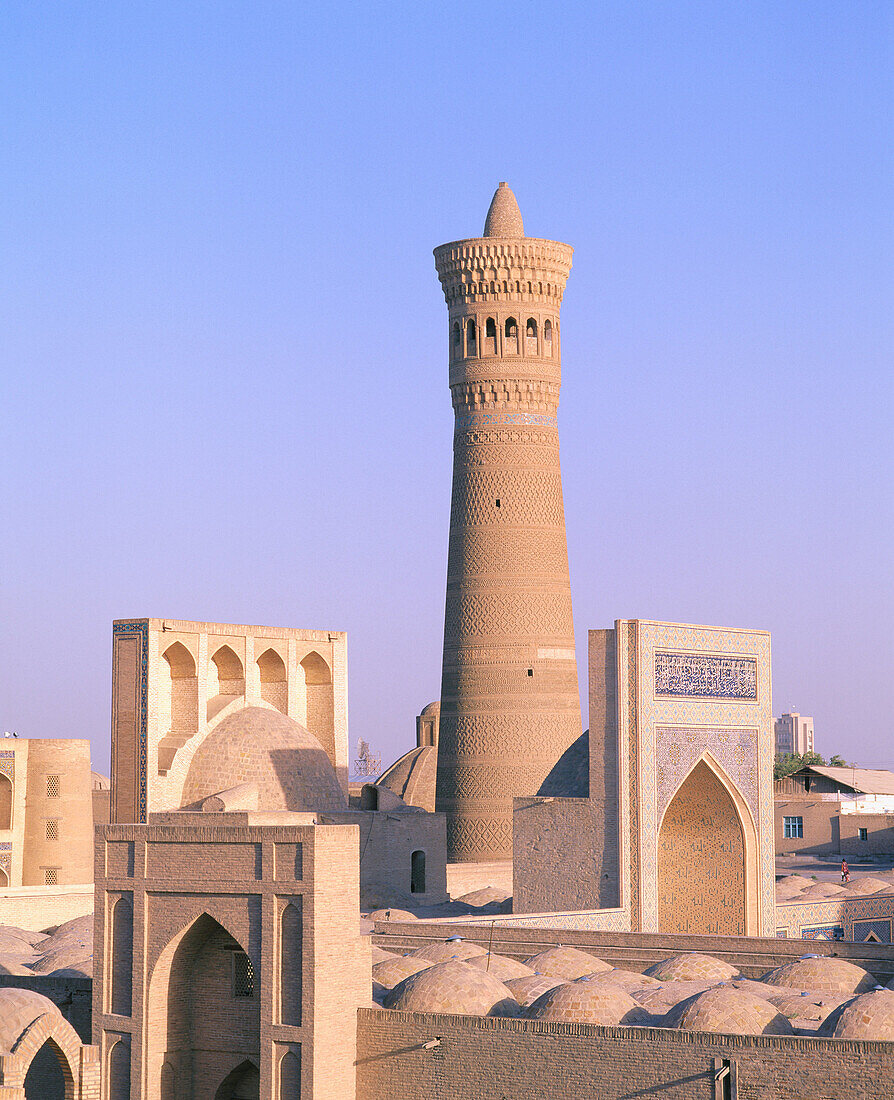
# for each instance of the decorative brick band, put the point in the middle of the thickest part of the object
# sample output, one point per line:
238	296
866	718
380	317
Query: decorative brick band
469	421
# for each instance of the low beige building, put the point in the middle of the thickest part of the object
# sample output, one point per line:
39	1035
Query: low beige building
46	814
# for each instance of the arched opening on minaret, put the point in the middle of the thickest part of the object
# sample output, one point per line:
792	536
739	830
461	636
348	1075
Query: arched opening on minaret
456	347
471	339
511	342
548	338
490	336
531	337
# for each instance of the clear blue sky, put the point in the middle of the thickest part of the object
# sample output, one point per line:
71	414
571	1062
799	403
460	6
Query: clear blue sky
223	377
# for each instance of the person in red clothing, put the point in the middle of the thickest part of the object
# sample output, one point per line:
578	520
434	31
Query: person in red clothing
845	871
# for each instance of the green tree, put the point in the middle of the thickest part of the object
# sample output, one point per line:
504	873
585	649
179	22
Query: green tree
838	761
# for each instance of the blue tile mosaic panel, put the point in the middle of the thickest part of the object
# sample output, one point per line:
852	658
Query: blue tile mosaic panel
880	929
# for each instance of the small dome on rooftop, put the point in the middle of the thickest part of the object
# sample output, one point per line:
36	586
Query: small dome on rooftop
504	217
391	971
449	949
869	1016
730	1011
566	962
588	1003
453	987
501	966
262	746
822	975
19	1008
815	1007
624	979
526	990
692	967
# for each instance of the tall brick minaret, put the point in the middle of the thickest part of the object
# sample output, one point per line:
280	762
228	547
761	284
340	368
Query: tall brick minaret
509	694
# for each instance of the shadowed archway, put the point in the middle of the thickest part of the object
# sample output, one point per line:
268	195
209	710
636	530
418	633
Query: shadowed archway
244	1083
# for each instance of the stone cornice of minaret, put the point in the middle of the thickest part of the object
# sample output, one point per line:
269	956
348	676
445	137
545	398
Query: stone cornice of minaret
519	269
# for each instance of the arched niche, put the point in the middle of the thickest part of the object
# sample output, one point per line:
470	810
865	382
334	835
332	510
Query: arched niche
274	681
510	336
119	1071
6	796
4	877
490	336
226	680
531	336
242	1083
290	1075
178	702
48	1075
707	858
320	701
196	1006
121	969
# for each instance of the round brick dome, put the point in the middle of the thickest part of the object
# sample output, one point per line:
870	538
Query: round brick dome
865	886
730	1011
822	890
457	950
286	763
587	1003
814	1007
487	895
869	1016
453	987
391	914
692	967
392	971
566	962
822	975
667	995
501	966
379	954
624	979
19	1008
526	990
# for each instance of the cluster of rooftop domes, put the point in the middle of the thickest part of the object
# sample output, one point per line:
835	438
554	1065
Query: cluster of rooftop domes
819	996
794	888
66	952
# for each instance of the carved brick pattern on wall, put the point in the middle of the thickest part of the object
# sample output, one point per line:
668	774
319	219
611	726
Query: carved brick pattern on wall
479	421
678	748
484	835
543	615
493	680
705	677
847	912
8	763
488	781
505	455
541	552
523	733
701	861
496	404
527	498
6	856
506	437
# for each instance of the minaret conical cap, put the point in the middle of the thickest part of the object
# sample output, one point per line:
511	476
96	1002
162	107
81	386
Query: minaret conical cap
504	217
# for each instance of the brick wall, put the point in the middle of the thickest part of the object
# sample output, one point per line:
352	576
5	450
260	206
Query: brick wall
489	1059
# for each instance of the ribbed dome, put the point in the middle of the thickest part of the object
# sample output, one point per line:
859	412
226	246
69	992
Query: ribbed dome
256	745
588	1003
692	967
453	987
731	1011
527	990
822	976
504	217
566	962
869	1016
391	971
18	1009
449	949
501	966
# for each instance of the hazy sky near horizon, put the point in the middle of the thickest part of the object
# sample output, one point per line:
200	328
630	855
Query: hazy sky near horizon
223	360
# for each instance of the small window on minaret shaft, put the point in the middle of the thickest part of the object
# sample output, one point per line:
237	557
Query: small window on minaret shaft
471	347
457	341
490	337
548	338
511	336
498	502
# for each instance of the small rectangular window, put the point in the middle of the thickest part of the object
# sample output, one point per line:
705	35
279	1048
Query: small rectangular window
793	827
863	833
52	786
52	829
51	876
243	975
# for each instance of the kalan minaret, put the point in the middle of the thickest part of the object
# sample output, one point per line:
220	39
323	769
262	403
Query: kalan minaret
509	694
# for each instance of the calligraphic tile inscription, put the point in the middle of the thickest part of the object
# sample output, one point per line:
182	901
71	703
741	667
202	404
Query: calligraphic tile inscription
697	675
